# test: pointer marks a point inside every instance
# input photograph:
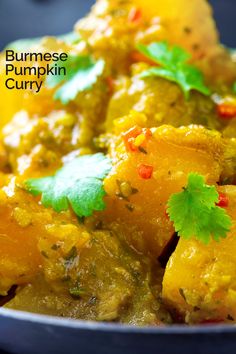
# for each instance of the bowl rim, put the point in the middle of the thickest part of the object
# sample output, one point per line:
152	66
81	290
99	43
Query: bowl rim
93	326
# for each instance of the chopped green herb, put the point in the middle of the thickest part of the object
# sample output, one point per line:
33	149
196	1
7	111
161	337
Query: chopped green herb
195	214
81	74
173	66
78	184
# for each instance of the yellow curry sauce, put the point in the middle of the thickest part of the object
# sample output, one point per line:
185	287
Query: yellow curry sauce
123	262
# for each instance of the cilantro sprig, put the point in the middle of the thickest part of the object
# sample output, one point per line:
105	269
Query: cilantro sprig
195	214
78	184
81	74
173	65
21	45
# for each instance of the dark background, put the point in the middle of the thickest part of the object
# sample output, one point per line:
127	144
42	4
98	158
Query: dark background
32	18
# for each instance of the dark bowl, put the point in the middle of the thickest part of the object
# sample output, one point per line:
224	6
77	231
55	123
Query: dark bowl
26	333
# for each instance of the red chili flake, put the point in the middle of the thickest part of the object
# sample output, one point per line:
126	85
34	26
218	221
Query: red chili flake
130	136
226	110
223	200
145	171
135	15
110	84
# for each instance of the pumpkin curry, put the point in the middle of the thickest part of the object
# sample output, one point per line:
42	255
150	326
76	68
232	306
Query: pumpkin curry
117	180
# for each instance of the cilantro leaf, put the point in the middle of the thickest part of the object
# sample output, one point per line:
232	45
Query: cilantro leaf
78	184
234	87
174	67
82	74
195	214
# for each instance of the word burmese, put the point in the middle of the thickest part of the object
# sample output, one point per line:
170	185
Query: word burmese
48	65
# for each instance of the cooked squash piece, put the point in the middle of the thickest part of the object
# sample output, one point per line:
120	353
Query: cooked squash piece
200	280
137	200
16	100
